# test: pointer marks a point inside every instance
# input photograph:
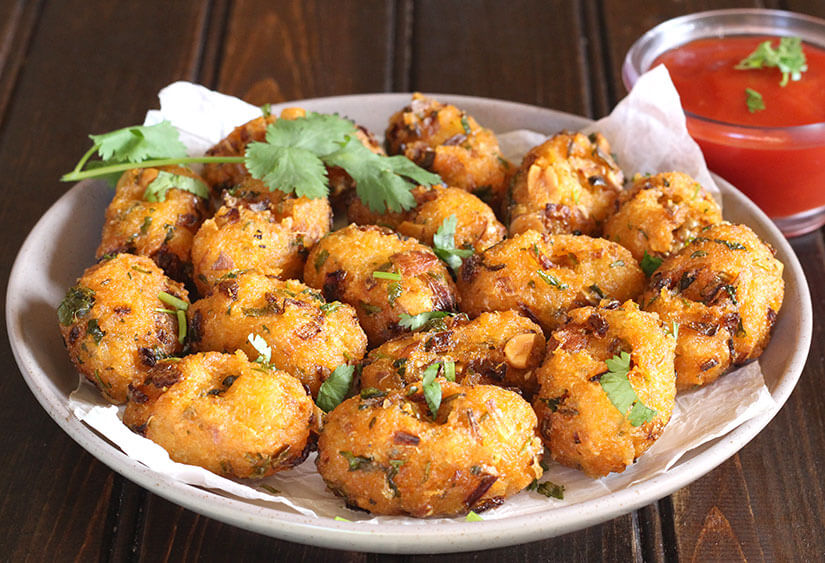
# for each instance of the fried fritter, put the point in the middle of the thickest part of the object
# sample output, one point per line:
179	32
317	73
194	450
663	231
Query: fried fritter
476	224
724	290
387	455
161	230
382	274
579	423
308	337
237	239
310	219
660	214
543	276
568	184
494	348
222	412
451	143
113	324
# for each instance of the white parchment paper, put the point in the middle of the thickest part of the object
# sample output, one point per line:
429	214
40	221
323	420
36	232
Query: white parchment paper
648	134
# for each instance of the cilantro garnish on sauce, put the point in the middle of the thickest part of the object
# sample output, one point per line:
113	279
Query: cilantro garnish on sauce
788	57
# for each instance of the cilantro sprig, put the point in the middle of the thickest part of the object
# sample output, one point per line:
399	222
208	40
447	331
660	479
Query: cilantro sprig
617	387
444	244
335	388
788	57
293	159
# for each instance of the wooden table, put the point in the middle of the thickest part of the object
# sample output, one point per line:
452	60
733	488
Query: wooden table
69	68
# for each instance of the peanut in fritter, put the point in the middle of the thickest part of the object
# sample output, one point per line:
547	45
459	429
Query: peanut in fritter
501	348
568	184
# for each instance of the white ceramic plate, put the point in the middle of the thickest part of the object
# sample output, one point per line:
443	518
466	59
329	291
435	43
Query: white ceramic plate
62	245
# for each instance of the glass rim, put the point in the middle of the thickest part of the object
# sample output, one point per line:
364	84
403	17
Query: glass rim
719	23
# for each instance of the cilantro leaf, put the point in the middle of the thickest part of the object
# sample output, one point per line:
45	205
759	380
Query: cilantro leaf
444	244
415	322
140	142
650	264
548	489
78	302
376	183
473	517
432	388
754	100
261	346
335	388
788	57
618	389
288	169
552	280
157	188
320	134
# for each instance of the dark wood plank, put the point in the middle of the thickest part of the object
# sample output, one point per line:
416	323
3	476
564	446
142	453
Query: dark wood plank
276	51
89	66
774	483
17	19
526	51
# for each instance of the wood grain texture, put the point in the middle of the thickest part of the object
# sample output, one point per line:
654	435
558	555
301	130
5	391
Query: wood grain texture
58	506
289	50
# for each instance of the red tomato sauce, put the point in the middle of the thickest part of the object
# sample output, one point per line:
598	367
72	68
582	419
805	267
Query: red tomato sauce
705	76
782	170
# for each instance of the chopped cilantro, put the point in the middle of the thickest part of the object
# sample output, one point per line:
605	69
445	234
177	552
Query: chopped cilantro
386	276
650	264
444	244
93	329
548	489
356	462
335	388
552	280
78	302
754	100
788	57
618	389
473	517
173	301
432	388
165	181
415	322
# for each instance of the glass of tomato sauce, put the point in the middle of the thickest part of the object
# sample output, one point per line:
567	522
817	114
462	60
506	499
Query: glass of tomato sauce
759	128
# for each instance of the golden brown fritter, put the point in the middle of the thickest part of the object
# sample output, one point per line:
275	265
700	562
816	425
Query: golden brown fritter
161	230
660	214
580	425
568	184
451	143
543	276
494	348
310	219
476	224
387	455
222	412
308	337
113	325
237	239
724	290
382	274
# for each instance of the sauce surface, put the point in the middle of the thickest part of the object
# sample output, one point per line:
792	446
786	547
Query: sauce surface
709	85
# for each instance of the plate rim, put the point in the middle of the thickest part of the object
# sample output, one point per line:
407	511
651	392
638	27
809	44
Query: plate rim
406	538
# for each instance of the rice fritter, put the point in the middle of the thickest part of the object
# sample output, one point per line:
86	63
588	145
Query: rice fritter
222	412
113	324
724	290
384	452
308	337
580	424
